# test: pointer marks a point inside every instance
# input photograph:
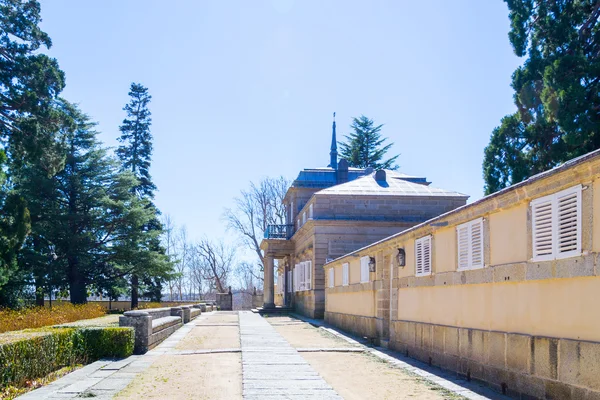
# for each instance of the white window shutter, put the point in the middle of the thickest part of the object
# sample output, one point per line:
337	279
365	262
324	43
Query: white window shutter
462	233
543	230
418	257
345	274
568	223
427	255
423	256
310	211
331	277
476	244
308	275
364	269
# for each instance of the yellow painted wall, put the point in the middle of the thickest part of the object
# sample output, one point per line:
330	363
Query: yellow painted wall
355	303
444	250
338	275
508	235
409	269
596	216
565	308
355	271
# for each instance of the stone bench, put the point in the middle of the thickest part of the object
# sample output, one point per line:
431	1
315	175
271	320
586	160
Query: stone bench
152	326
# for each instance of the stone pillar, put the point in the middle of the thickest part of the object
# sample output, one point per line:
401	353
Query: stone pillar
269	289
187	314
141	321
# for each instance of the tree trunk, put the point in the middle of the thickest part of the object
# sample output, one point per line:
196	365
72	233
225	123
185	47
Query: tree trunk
134	291
77	287
39	293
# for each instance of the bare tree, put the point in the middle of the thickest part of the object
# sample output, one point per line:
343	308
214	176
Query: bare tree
169	242
255	209
216	261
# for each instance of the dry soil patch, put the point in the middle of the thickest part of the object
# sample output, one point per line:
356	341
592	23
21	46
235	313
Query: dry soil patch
206	376
211	337
362	376
304	335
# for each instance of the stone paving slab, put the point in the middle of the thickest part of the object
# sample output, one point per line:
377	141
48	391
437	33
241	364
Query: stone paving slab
272	368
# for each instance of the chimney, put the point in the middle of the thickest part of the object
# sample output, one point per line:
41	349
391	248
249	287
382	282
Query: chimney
380	175
341	174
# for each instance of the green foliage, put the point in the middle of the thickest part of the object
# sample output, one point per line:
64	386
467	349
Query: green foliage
365	147
39	355
556	91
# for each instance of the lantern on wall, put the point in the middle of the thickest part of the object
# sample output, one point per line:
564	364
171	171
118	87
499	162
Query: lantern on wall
401	257
371	264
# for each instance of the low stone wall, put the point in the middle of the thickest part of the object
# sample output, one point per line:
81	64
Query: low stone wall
356	324
515	364
152	326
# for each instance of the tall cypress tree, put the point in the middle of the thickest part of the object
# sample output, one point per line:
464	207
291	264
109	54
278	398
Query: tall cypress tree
365	146
135	153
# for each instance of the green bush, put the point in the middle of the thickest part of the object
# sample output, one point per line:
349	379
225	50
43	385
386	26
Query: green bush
94	343
51	349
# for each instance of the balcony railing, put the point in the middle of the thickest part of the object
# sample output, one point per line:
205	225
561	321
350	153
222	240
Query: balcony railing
279	232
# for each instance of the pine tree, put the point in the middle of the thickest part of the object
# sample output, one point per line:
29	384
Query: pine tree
365	147
88	214
135	153
556	91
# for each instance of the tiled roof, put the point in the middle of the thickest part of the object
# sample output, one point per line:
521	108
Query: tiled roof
396	184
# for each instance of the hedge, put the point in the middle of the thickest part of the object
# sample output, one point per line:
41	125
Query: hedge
37	356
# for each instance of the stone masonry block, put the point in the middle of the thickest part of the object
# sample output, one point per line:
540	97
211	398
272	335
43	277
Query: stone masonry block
427	337
509	272
589	365
451	340
544	363
575	266
497	349
539	270
518	351
474	344
568	364
438	339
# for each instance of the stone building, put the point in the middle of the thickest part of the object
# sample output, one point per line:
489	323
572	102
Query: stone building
503	290
335	210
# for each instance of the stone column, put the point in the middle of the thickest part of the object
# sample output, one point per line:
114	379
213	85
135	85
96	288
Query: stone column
269	289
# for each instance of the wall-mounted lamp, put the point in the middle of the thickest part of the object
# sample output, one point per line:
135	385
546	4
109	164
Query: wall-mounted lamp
371	264
401	257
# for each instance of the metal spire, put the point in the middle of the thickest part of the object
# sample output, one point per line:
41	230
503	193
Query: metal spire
333	155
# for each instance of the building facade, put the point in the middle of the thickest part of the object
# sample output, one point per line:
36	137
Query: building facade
504	290
334	210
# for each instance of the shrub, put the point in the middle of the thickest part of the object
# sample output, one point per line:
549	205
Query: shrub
94	343
48	350
36	317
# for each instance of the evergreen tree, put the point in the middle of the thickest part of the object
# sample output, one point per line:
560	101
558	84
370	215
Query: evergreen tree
88	214
365	147
29	84
556	90
135	153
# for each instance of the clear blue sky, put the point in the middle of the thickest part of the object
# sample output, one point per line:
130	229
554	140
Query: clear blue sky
246	89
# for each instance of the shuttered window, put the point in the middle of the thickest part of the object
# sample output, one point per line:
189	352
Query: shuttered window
307	275
310	211
423	256
296	277
470	244
331	279
345	274
364	269
288	283
556	225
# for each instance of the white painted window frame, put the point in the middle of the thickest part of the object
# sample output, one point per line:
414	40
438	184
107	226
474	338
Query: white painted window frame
364	269
470	246
345	274
424	241
553	200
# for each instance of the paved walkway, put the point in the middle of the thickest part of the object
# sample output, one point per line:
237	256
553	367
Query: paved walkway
231	355
272	368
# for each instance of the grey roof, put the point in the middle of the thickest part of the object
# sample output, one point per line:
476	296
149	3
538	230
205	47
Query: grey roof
396	184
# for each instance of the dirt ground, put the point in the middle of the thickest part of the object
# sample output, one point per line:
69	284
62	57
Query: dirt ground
189	377
211	337
362	376
302	335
